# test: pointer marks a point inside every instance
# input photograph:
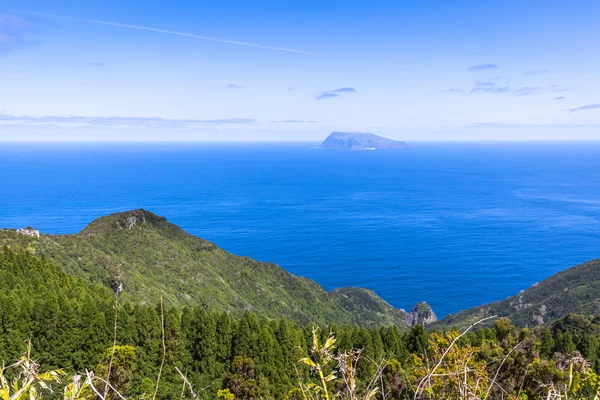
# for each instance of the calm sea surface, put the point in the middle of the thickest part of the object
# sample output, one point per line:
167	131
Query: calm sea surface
455	225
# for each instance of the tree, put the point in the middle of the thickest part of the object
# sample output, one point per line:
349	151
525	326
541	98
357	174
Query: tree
503	328
241	381
564	343
417	340
393	379
118	369
546	344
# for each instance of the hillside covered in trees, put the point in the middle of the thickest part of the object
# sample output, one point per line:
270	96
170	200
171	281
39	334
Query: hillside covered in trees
72	324
133	306
151	257
574	290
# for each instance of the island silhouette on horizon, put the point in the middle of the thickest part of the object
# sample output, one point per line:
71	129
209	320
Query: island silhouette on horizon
360	141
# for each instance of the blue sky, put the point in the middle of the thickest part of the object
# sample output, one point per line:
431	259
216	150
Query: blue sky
185	70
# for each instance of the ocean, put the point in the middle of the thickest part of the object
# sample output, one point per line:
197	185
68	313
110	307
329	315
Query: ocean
453	224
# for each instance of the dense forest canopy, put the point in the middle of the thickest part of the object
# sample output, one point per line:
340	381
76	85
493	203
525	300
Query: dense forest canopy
71	324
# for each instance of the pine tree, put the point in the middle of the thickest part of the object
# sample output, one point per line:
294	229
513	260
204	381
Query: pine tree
547	344
417	340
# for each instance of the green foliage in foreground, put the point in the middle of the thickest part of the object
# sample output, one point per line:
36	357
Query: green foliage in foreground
71	324
155	259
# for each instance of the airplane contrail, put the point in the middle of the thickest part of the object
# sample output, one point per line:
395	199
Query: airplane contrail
169	32
193	36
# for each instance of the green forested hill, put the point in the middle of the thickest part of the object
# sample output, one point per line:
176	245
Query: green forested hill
575	290
71	325
152	258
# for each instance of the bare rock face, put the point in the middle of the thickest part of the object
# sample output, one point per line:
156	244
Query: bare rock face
29	231
124	220
538	317
421	314
133	220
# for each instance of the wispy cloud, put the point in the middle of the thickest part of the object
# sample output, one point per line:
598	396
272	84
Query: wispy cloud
117	122
502	85
173	32
234	86
293	121
585	108
453	90
498	85
326	95
344	90
335	93
528	90
557	89
560	98
482	67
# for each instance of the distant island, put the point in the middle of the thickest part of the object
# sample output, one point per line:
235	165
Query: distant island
360	141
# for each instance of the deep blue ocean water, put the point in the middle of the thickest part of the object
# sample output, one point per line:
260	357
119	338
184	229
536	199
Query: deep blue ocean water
453	224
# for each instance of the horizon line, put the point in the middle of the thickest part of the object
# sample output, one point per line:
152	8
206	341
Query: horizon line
3	142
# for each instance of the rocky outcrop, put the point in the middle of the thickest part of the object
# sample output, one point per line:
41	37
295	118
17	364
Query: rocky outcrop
421	314
133	220
126	220
29	231
538	317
